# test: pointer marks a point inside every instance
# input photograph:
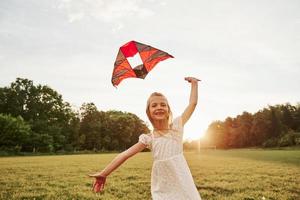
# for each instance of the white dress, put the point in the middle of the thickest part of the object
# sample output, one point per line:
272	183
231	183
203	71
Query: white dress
171	178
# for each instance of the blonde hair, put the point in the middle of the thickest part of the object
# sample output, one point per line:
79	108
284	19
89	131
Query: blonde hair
157	94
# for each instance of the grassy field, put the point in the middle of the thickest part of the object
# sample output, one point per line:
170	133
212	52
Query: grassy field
224	175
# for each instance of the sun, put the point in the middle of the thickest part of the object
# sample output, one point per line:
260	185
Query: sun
193	135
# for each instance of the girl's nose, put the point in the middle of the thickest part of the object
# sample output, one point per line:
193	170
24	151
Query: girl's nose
160	108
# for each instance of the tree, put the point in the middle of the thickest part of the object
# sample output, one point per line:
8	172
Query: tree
14	132
260	128
42	108
276	125
215	134
245	137
111	130
297	118
92	126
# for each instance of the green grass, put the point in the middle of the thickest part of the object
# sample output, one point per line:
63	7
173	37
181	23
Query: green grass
231	174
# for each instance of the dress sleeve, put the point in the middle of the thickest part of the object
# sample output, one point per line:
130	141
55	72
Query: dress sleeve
146	140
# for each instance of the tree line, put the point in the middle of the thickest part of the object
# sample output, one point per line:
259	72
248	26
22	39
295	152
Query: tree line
274	126
34	118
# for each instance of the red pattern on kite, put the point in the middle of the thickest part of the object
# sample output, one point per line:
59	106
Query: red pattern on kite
149	55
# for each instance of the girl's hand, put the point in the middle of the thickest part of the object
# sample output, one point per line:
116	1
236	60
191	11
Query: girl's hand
192	79
99	182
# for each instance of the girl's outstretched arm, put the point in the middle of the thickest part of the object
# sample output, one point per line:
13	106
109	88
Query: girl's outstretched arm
100	177
193	99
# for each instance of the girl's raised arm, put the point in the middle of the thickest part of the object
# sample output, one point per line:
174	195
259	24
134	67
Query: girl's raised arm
193	99
100	177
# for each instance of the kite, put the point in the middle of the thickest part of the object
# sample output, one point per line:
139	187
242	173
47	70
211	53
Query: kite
150	56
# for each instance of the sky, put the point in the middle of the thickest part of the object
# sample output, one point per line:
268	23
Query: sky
247	53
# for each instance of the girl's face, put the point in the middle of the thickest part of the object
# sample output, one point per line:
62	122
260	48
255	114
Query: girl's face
158	108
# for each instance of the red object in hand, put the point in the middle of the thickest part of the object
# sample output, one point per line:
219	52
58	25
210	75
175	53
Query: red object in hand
99	183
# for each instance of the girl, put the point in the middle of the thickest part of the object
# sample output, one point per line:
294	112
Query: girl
171	178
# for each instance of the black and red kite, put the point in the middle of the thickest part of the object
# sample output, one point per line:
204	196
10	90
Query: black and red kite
149	55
